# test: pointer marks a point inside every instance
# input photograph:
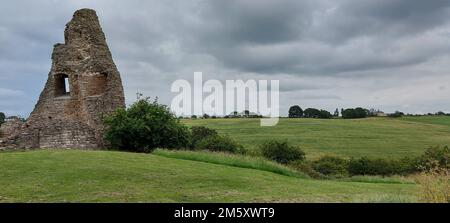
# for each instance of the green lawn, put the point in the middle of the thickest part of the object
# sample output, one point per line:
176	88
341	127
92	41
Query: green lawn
375	137
102	176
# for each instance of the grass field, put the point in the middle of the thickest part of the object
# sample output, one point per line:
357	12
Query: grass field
104	176
374	137
187	176
434	120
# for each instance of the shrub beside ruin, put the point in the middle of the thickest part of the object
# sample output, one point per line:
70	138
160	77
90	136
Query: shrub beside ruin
144	127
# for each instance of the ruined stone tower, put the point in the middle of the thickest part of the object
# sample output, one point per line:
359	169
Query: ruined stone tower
83	86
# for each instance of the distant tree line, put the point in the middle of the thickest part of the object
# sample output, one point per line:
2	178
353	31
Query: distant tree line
235	114
351	113
296	111
396	114
440	113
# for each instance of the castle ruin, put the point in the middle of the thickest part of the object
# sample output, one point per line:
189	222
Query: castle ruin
83	86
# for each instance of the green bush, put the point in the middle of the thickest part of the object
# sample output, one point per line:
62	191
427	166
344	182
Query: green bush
144	127
383	167
281	151
218	143
331	166
199	133
435	157
405	166
306	167
367	166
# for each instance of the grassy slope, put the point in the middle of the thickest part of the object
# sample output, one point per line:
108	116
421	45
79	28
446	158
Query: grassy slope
236	160
377	137
100	176
434	120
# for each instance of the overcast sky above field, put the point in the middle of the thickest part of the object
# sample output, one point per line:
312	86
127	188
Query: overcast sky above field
385	54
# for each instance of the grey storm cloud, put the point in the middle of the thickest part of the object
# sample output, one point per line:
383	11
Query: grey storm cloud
390	18
325	53
316	37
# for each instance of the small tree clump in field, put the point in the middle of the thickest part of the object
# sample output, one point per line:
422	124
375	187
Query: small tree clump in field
218	143
316	113
144	127
306	167
331	166
435	157
353	113
370	166
380	166
325	114
311	113
199	133
295	112
281	151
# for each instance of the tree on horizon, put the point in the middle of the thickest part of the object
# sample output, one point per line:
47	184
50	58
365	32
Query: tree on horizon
295	112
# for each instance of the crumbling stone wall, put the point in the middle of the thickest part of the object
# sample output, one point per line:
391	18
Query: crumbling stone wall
73	119
11	127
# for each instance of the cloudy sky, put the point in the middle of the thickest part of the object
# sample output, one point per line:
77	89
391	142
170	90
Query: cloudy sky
385	54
